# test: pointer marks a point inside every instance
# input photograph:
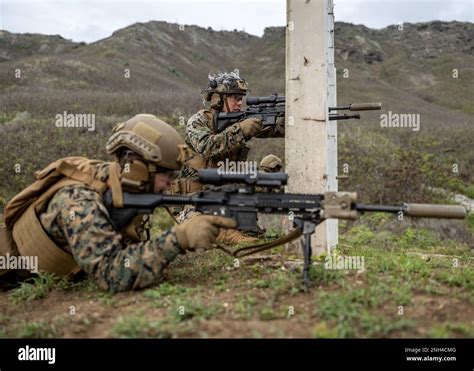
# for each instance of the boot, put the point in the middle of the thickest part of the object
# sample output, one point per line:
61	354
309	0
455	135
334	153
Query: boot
234	237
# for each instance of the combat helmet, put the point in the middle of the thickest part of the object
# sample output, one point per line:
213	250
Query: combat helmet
144	145
271	164
221	85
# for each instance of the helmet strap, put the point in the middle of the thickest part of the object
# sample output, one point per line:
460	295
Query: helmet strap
224	97
136	174
217	105
115	185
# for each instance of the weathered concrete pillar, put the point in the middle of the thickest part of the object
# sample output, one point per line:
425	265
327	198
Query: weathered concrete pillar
310	141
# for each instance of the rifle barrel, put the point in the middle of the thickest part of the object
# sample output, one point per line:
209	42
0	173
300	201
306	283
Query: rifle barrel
334	117
419	210
358	107
436	211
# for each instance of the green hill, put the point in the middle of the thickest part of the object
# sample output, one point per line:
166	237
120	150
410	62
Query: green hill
409	70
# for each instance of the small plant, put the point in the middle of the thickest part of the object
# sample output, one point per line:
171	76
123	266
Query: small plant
245	306
166	294
469	191
38	329
194	309
451	329
137	326
38	287
421	238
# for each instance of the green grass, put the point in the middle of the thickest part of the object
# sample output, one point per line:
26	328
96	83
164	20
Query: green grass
6	117
137	326
38	287
182	303
456	277
207	288
392	278
107	298
195	308
344	308
244	307
420	238
451	329
469	191
321	276
36	329
182	318
166	294
470	221
353	312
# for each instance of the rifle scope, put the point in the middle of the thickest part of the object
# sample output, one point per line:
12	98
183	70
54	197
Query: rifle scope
218	177
253	101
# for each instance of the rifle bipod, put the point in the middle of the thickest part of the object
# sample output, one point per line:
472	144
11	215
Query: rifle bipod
307	228
302	227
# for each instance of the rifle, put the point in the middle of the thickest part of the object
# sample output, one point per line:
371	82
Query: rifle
234	196
271	110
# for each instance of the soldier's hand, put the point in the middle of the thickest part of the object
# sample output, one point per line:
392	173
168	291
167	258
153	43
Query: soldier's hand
250	127
201	231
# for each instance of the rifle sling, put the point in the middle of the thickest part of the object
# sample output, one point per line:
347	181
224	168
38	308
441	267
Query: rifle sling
253	249
263	131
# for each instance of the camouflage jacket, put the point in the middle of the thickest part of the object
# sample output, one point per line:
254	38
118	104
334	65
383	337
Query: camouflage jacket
77	220
213	147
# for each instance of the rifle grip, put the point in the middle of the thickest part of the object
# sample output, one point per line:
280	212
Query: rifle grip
436	211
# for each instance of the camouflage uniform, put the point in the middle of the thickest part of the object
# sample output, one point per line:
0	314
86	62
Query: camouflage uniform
201	135
78	222
63	220
214	147
202	138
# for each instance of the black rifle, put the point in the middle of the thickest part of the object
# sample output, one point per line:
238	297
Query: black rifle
234	196
271	110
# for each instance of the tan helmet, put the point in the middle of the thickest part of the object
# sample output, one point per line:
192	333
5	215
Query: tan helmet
271	164
151	138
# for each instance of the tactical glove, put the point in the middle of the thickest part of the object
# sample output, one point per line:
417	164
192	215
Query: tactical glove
250	127
201	231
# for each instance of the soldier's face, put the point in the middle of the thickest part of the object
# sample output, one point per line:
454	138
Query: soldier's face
162	182
234	102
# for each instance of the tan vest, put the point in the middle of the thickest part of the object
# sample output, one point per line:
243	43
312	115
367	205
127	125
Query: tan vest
23	233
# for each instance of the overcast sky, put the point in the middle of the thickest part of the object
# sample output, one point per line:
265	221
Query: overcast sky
90	20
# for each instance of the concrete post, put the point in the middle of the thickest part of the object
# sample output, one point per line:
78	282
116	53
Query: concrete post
310	141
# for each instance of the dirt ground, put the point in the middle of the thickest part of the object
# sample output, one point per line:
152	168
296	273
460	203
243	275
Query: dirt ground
399	294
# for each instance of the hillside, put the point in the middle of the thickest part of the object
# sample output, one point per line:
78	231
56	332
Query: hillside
410	71
163	58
